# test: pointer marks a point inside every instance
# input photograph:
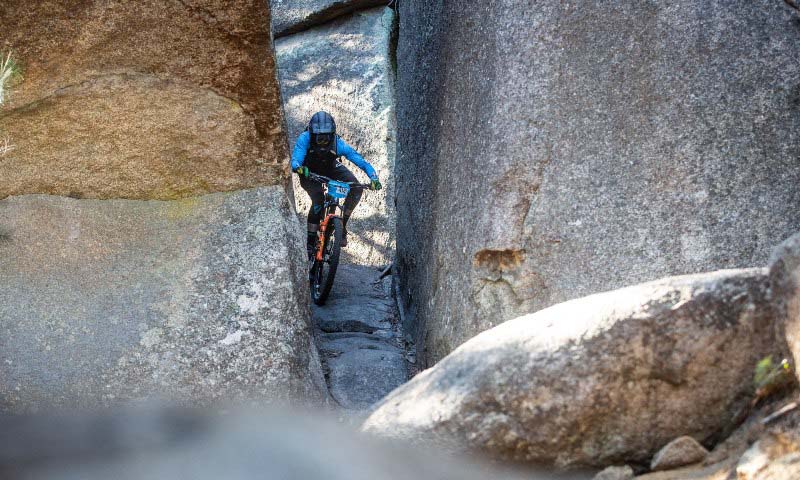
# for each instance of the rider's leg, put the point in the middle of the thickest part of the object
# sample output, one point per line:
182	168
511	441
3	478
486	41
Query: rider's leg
344	175
314	190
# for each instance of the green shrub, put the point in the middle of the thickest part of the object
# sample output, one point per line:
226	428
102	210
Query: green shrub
10	72
769	378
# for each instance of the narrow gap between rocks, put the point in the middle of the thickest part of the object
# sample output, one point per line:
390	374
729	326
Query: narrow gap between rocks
359	330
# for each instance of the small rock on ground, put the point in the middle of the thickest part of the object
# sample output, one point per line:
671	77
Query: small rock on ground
678	453
615	473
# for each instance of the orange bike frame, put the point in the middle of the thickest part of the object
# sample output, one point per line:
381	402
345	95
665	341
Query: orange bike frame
323	225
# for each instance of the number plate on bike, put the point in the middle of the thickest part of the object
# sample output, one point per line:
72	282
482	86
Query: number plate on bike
338	189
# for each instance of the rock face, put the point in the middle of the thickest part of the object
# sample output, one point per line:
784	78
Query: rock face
292	16
344	68
604	379
195	300
785	274
553	152
144	100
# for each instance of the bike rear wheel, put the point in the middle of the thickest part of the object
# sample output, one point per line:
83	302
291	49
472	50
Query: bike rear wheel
324	271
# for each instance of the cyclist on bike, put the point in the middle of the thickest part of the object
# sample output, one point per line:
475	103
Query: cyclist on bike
317	150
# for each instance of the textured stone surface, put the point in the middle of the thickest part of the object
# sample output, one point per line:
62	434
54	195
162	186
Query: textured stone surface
166	444
344	68
785	275
776	455
363	372
363	358
552	152
146	100
604	379
784	468
291	16
196	300
678	453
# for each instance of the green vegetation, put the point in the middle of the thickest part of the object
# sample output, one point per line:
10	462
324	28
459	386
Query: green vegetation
10	73
769	378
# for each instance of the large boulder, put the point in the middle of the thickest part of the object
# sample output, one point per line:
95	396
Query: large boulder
553	152
292	16
344	67
195	300
602	380
145	99
785	275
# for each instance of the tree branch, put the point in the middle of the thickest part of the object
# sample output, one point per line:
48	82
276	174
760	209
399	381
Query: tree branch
793	4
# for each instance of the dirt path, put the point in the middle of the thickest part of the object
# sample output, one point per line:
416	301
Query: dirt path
359	339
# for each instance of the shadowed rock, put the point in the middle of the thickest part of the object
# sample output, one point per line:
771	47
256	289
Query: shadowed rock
604	379
291	16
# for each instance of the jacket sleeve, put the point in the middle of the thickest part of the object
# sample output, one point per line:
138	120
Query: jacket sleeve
350	153
300	150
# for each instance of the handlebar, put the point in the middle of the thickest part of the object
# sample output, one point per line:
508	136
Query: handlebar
324	179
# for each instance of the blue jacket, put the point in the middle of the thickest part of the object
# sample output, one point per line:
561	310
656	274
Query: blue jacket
342	148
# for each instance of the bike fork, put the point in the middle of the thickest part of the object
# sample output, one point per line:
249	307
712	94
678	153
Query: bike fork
323	225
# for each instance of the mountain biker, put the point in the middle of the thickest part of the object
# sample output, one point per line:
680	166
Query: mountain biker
317	150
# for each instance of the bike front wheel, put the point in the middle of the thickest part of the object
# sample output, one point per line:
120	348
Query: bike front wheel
324	271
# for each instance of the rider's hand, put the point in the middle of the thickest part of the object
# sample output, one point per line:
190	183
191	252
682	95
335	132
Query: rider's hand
375	184
302	171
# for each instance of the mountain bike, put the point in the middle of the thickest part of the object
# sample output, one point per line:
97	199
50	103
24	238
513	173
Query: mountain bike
325	260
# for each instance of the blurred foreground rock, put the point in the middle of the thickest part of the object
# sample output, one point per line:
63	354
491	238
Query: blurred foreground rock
106	301
166	444
602	380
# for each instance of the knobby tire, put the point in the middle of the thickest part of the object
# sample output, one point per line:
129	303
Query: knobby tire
324	272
